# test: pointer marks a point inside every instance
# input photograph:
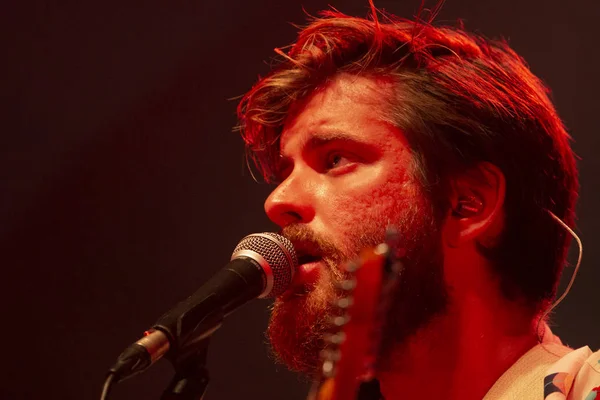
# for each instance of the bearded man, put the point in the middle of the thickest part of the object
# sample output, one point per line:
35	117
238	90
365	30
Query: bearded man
450	138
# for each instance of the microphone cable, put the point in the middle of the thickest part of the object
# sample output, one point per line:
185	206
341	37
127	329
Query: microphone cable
573	276
110	378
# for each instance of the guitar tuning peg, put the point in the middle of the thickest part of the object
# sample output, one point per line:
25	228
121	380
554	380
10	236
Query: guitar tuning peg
328	369
382	249
352	266
329	354
335	339
346	285
340	320
344	302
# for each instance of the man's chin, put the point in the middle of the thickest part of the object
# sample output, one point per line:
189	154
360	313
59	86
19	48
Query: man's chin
295	332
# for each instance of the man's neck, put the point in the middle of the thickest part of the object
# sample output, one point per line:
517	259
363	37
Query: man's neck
461	354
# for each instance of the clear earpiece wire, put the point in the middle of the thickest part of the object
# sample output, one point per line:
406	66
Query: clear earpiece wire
573	276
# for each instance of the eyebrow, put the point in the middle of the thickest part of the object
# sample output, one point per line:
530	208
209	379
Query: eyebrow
317	141
322	139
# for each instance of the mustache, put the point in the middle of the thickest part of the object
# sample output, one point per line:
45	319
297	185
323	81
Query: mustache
308	243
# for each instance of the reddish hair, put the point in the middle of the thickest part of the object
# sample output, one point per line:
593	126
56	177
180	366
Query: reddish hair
460	99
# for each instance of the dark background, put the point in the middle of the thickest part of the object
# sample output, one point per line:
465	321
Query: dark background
122	186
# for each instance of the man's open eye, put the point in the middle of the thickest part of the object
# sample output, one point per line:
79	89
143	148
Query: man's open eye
335	160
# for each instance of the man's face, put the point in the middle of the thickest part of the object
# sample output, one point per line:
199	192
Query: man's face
346	177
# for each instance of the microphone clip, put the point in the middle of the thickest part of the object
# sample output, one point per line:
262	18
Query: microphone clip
191	375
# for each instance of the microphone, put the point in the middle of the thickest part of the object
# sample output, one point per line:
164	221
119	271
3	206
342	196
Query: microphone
262	265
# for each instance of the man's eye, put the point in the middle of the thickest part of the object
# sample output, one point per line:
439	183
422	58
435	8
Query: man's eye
335	160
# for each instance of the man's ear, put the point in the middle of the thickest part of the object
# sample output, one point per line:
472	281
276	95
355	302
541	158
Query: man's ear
477	200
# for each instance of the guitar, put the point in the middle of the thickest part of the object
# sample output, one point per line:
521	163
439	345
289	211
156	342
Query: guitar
352	351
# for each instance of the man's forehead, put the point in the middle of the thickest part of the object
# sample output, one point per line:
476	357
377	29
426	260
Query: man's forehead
343	88
337	106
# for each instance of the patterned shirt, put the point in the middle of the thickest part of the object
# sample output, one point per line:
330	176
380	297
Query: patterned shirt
550	371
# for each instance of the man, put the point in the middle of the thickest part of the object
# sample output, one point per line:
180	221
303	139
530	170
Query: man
450	138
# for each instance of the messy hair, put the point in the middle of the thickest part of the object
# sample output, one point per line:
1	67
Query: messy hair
460	99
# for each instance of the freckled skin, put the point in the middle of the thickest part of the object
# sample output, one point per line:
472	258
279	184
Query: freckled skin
347	191
336	205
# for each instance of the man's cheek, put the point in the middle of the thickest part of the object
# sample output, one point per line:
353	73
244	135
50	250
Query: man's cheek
346	215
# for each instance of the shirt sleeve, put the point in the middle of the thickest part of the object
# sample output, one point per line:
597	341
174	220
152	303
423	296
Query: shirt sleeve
586	385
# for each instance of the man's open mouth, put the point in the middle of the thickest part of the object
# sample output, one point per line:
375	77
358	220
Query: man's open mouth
308	258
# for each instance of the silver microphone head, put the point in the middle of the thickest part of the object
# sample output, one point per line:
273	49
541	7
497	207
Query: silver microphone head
276	256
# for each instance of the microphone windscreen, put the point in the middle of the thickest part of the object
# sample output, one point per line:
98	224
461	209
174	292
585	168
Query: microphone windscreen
279	259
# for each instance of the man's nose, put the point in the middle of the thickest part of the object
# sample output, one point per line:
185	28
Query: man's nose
291	202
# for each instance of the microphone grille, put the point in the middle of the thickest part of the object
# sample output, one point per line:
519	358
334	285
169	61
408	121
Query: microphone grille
279	254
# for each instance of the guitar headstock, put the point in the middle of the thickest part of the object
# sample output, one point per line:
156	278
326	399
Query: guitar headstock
352	346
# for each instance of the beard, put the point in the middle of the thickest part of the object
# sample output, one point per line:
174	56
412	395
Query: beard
300	320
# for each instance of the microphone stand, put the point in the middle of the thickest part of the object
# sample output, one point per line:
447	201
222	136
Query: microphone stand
191	376
189	358
189	361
